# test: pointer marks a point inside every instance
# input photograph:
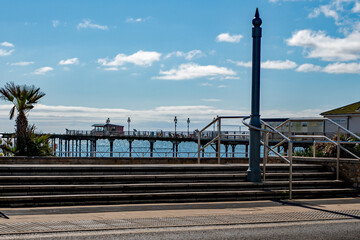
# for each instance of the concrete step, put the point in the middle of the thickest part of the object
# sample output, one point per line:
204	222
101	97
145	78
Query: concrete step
89	179
18	190
50	185
85	199
42	170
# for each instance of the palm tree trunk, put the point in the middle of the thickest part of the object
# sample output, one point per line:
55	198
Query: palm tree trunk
21	127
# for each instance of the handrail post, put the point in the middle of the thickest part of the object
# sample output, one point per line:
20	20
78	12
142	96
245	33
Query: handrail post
338	155
289	128
219	139
199	147
290	157
314	149
266	153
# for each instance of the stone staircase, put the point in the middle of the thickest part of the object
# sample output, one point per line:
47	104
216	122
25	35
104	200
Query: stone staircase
56	185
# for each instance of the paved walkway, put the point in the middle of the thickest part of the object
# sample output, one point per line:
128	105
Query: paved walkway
140	216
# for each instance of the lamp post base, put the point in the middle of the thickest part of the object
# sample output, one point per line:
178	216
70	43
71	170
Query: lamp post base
254	175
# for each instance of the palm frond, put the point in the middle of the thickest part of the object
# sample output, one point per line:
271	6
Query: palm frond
12	112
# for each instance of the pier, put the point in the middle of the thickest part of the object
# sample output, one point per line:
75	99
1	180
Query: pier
79	143
76	143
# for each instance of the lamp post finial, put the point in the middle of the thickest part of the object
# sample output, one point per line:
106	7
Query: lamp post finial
257	20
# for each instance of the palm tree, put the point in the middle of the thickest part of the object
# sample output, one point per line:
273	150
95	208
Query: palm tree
24	98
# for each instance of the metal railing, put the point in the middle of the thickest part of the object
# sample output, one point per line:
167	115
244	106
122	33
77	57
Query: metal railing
146	154
268	148
158	134
290	141
338	141
218	136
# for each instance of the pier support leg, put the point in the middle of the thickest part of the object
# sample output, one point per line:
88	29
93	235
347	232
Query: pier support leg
130	147
87	148
79	148
233	146
60	147
95	147
72	148
111	147
173	149
68	148
151	148
226	150
177	148
92	148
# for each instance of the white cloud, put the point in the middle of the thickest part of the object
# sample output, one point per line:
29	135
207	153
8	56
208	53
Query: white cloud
222	86
187	55
193	70
52	119
55	23
206	84
241	63
319	45
43	70
111	69
226	37
87	24
278	64
269	64
342	13
69	61
22	63
211	100
135	20
6	52
326	10
338	68
7	44
356	8
308	67
140	58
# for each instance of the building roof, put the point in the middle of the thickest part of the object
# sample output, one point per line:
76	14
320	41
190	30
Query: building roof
274	119
353	108
106	124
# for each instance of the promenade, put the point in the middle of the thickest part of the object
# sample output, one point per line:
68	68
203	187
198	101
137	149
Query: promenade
129	221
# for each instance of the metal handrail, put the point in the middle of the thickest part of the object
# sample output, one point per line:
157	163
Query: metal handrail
217	137
337	143
266	146
341	127
328	139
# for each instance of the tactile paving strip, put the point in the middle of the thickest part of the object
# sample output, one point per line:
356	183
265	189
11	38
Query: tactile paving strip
86	225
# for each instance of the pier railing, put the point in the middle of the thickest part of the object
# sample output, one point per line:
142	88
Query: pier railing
148	154
238	135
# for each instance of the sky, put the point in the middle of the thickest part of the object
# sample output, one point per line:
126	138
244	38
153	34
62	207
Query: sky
153	60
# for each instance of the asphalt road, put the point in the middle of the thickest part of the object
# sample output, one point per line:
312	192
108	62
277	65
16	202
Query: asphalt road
334	229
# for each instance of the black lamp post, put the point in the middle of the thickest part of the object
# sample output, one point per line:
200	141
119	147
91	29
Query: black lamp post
128	121
175	121
254	172
188	122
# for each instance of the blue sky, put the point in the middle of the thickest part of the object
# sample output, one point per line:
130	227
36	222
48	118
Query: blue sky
152	60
